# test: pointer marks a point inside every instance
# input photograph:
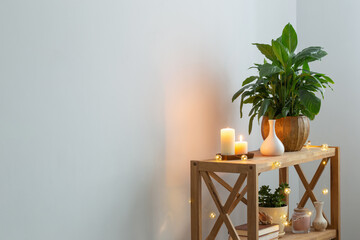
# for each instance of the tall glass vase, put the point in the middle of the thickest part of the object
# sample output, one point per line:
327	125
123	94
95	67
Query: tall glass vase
272	146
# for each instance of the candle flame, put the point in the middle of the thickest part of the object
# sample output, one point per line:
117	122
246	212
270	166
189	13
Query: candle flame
240	138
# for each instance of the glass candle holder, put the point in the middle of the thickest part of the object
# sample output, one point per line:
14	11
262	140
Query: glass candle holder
301	220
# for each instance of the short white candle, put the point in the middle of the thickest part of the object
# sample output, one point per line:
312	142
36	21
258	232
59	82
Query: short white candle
227	141
241	147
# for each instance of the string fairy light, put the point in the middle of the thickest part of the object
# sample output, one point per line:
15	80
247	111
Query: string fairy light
212	215
287	191
244	157
324	147
218	157
276	164
309	213
325	191
324	162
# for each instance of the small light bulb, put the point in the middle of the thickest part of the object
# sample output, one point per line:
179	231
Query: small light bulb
212	215
276	164
324	162
189	200
287	191
286	223
325	191
309	213
244	157
324	147
283	216
218	157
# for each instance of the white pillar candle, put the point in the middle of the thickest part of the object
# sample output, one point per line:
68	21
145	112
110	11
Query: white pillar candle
227	141
241	147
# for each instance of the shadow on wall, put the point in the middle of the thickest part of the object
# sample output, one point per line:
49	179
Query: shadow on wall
194	114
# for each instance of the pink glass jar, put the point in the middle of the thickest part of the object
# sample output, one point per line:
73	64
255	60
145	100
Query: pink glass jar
301	220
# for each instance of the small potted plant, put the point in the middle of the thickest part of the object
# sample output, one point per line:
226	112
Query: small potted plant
285	89
274	205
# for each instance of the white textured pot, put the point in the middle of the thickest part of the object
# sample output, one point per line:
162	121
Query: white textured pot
277	214
272	146
319	222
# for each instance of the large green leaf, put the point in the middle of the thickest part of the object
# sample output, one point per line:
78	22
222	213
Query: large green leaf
310	101
264	107
306	68
281	52
245	94
251	123
238	93
289	38
309	54
267	50
308	114
250	99
328	79
255	108
268	70
249	80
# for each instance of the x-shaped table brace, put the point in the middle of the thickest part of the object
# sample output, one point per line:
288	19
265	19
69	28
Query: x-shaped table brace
233	200
310	187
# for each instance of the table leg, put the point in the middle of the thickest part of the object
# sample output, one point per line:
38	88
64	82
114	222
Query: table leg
195	179
253	203
335	192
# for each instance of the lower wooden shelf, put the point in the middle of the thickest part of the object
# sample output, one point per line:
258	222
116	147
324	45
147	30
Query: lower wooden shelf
312	235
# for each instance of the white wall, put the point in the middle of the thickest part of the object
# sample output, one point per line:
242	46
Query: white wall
334	25
104	103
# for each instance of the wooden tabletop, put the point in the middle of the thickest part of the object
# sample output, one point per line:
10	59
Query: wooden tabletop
266	163
312	235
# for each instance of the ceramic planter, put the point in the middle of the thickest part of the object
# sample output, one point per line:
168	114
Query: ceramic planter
277	214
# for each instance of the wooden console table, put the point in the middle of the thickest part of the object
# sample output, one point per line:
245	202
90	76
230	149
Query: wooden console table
250	170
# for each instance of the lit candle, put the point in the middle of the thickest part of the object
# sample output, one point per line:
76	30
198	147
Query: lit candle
228	141
241	147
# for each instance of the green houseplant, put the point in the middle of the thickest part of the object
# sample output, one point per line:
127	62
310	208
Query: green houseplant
274	205
284	86
276	199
